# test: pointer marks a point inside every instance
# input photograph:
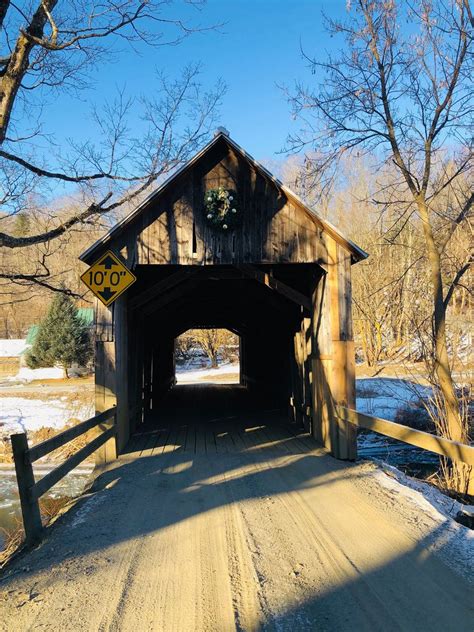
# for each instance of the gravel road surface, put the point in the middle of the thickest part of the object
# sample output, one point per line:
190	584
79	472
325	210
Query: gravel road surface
261	532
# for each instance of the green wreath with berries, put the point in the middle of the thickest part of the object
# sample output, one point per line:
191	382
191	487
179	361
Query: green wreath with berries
221	208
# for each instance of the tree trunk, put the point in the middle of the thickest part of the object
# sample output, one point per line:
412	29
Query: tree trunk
441	359
18	63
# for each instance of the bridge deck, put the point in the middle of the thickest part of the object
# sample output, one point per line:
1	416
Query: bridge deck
216	523
216	419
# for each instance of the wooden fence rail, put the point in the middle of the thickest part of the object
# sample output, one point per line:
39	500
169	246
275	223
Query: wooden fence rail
445	447
29	490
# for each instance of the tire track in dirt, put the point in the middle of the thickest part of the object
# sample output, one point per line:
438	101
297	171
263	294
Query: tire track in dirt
275	538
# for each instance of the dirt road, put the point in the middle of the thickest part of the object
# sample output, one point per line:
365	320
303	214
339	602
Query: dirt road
264	532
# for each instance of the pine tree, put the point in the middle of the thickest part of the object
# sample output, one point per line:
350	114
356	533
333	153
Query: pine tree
63	337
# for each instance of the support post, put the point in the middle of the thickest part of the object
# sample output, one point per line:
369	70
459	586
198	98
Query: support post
25	479
333	359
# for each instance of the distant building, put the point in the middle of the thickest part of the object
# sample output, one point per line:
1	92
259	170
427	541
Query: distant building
12	351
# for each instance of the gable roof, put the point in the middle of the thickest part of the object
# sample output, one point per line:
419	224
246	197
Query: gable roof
98	247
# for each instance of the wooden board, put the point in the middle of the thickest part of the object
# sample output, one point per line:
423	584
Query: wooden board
274	229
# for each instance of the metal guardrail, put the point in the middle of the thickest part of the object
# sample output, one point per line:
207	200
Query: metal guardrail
31	491
418	438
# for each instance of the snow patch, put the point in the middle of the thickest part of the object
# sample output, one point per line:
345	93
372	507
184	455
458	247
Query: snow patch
90	504
453	541
19	414
384	397
12	348
49	373
184	376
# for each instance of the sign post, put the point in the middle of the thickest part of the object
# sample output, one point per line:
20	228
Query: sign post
108	278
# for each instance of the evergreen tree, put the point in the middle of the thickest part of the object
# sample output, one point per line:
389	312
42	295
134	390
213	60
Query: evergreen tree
62	338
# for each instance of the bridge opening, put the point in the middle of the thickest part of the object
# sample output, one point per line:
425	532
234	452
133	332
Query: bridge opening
207	355
215	315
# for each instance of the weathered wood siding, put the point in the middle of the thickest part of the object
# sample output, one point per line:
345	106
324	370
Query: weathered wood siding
333	367
173	228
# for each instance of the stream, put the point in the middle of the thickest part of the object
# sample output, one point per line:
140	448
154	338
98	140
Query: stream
10	513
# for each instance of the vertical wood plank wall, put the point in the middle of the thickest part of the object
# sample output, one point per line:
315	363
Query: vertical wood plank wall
274	228
301	403
105	373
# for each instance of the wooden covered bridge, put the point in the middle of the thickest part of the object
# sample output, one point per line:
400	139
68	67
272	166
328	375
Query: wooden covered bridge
220	514
276	274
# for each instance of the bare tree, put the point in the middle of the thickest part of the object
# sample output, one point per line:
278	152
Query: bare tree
404	94
50	48
213	342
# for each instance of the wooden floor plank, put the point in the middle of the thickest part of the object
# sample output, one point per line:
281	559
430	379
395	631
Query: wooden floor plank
181	438
222	446
239	445
200	439
210	442
218	419
133	446
172	440
277	442
161	442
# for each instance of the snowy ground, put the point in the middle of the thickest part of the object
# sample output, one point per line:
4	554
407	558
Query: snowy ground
384	397
10	348
224	374
21	414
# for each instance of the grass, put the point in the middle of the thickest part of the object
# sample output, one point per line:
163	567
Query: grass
72	381
14	537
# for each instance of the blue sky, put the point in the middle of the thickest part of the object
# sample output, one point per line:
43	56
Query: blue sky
257	48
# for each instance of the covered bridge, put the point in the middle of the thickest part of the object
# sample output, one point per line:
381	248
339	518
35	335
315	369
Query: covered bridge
274	272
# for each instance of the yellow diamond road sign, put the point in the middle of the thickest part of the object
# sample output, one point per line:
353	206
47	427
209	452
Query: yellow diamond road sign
108	278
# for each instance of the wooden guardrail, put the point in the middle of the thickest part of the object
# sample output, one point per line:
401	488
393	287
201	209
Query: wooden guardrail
29	490
418	438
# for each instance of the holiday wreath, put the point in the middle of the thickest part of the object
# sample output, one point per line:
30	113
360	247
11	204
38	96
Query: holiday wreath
220	208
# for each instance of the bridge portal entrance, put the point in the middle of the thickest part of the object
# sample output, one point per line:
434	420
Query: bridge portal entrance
276	274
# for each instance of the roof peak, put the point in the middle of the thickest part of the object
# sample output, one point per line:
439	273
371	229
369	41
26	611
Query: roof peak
223	133
222	130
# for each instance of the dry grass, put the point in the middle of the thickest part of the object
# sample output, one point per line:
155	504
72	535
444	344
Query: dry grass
14	537
72	381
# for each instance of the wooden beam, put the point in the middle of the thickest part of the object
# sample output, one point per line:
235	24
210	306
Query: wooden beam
42	486
425	440
159	288
272	283
45	447
164	299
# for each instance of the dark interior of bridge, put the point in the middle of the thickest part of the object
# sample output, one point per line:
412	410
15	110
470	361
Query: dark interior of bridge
263	317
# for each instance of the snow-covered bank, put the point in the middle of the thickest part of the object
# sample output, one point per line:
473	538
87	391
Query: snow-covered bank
384	397
13	347
21	414
224	374
391	398
50	373
425	511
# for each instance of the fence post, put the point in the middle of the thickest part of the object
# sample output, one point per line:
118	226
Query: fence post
25	479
